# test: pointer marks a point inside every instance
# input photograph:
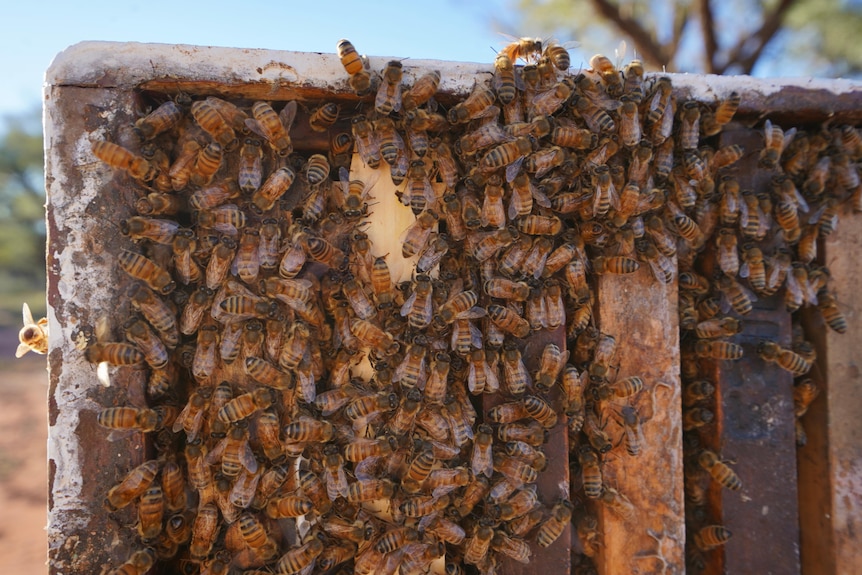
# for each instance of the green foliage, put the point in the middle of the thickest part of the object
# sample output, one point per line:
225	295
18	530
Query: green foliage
22	217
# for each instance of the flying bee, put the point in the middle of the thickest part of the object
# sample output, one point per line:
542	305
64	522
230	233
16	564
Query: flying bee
785	358
120	158
479	104
775	142
719	470
389	97
609	74
33	336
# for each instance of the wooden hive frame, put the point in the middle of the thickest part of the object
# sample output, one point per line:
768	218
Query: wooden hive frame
93	87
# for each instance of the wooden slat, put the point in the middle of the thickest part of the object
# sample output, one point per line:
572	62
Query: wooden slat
641	314
833	422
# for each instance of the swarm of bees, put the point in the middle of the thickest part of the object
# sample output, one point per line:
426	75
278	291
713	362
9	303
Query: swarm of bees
312	414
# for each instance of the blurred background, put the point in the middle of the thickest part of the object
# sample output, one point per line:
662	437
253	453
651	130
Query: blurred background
775	38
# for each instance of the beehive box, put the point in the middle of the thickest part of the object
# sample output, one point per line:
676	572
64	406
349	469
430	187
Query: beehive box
96	92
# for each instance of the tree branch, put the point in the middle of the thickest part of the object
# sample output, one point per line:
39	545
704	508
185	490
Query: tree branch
652	53
746	57
710	44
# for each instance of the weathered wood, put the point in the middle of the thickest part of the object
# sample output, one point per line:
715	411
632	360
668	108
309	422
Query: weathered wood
641	313
829	466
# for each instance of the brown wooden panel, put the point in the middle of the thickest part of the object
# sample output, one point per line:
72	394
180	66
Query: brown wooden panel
642	315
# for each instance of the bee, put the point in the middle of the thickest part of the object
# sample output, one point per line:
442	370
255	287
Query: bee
404	417
288	506
527	49
324	117
121	158
367	141
727	254
146	270
154	351
418	307
718	327
206	114
718	350
713	123
481	460
508	321
503	288
550	101
392	149
234	452
301	558
832	314
696	417
135	483
246	405
551	529
608	73
138	563
719	470
514	548
617	502
415	237
775	142
487	244
536	225
369	490
785	358
697	391
689	131
506	78
736	295
33	336
422	90
630	127
551	364
569	135
371	335
597	119
476	547
615	265
273	188
264	372
711	536
273	127
661	266
479	104
249	172
151	511
350	59
204	531
389	97
152	229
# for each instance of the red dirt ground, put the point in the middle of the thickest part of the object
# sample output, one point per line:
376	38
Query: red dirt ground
23	461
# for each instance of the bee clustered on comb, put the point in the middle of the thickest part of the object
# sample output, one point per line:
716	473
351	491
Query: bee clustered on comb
257	295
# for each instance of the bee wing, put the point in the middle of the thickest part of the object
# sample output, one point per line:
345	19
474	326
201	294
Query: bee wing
408	304
788	138
103	373
744	270
178	422
214	456
287	115
27	315
767	133
513	169
539	197
492	379
247	458
256	128
22	349
307	387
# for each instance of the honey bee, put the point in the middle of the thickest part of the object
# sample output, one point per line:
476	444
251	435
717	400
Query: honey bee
388	97
299	559
615	265
597	119
713	123
135	483
719	470
661	266
506	78
590	472
718	327
736	295
288	506
548	102
608	73
630	131
718	350
422	90
204	531
369	490
367	141
146	270
696	417
273	188
156	230
476	547
481	460
689	132
512	547
479	104
154	351
121	158
206	114
273	127
370	334
246	405
151	511
138	563
508	321
350	59
264	372
785	358
775	141
711	536
569	135
696	391
832	314
33	336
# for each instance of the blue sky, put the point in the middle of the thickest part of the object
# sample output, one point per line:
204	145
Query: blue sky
35	31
